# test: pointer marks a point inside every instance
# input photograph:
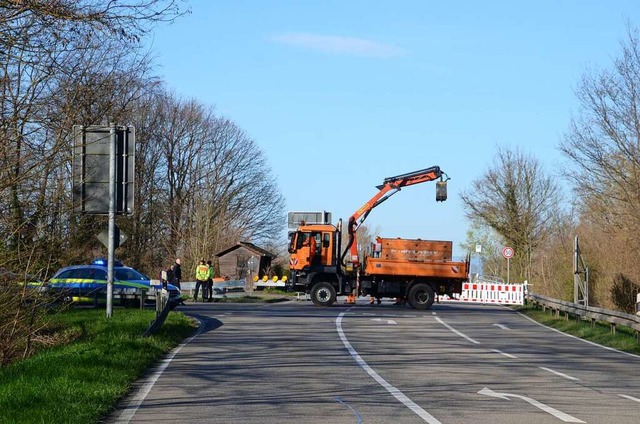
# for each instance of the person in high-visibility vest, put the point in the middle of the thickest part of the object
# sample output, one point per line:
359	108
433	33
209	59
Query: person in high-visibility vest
202	273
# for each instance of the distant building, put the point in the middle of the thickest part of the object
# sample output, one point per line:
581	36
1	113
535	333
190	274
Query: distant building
244	260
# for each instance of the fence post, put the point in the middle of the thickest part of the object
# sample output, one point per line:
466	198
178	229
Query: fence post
638	304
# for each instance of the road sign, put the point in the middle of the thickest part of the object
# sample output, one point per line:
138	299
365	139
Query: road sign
295	218
507	252
119	237
91	169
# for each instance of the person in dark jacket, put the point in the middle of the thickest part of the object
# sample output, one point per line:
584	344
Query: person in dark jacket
177	274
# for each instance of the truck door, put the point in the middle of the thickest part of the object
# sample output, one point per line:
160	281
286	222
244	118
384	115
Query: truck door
326	249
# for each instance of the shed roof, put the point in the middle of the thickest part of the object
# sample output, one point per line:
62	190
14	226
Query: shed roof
249	246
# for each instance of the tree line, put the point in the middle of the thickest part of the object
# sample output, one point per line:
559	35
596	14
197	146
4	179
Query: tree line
201	183
518	203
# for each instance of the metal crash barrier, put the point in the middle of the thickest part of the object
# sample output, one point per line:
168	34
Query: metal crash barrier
220	287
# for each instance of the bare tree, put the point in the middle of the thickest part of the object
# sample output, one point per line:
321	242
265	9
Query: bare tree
603	149
58	59
603	140
70	19
518	201
212	182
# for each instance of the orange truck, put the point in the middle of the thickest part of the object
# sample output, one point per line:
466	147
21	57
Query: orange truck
410	269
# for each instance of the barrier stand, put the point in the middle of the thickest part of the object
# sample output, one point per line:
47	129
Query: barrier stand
163	307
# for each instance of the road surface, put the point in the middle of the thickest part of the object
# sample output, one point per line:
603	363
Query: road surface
294	362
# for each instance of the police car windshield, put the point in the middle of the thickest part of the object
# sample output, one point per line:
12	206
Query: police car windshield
128	274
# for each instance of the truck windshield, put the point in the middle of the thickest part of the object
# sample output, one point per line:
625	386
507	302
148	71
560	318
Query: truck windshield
292	241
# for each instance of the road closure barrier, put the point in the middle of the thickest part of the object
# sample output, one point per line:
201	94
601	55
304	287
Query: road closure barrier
480	292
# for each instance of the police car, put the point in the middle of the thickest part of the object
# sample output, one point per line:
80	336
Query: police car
88	283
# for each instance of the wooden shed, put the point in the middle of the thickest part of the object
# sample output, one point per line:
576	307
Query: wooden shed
244	260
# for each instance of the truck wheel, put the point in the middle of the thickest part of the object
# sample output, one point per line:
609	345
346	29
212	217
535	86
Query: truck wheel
323	294
421	296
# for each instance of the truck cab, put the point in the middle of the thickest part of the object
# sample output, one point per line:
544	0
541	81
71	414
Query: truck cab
314	258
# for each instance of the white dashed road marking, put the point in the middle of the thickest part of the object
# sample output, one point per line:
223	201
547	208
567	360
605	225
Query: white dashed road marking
508	355
568	377
464	336
630	398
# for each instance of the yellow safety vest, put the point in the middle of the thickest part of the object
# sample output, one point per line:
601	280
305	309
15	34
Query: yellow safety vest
202	272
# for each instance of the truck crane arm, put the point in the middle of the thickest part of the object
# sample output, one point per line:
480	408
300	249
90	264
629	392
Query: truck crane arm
388	188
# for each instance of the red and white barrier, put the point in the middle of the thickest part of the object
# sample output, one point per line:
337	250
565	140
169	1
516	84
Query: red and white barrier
504	294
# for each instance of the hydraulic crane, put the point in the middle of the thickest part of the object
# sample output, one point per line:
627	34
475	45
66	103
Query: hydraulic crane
388	188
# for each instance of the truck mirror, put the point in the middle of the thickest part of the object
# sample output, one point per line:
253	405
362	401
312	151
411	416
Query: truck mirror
441	191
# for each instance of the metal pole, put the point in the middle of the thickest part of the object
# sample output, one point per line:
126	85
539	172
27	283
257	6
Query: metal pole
112	218
586	286
507	270
576	273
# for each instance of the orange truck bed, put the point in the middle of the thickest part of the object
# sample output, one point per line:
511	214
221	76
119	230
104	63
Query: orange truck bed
395	267
414	249
415	258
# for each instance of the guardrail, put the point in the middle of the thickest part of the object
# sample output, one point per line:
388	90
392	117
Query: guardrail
226	285
594	314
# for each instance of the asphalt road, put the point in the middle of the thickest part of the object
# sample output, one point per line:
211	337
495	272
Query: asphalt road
456	363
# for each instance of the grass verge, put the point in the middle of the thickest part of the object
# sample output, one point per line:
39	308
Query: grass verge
257	296
82	381
624	339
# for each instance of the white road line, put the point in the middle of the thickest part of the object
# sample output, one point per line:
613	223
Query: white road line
630	398
381	381
356	413
508	355
389	321
132	407
578	338
456	331
560	374
549	410
504	327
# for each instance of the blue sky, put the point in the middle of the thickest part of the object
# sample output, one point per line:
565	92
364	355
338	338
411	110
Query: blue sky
342	94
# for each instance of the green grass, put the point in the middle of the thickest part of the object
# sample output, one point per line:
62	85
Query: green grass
624	339
253	298
268	295
279	292
81	381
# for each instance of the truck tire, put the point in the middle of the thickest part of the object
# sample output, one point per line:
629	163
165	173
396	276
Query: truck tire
421	296
323	294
